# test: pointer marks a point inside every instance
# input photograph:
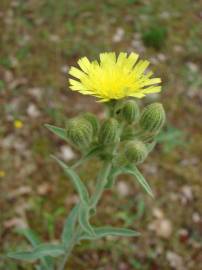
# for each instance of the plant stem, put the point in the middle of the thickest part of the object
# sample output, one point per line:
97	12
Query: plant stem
69	249
101	182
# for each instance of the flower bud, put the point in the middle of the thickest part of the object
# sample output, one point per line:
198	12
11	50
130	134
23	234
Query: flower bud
93	121
136	151
108	131
128	133
80	132
152	118
130	111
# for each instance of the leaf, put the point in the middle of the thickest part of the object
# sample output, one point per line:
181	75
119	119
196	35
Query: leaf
132	170
112	231
30	235
34	240
79	185
150	146
60	132
84	219
91	153
38	252
112	177
69	226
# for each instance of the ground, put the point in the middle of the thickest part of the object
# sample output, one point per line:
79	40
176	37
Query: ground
39	41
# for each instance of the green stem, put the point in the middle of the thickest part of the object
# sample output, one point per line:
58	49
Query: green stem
100	186
101	183
102	180
69	249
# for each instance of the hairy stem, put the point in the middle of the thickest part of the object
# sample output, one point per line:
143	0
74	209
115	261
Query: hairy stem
101	182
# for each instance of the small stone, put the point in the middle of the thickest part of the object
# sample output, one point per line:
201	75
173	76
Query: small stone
175	260
67	153
196	217
162	227
119	34
44	189
123	189
192	66
158	213
32	111
187	194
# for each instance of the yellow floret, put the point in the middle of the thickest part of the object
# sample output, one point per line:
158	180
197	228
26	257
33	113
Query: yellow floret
114	77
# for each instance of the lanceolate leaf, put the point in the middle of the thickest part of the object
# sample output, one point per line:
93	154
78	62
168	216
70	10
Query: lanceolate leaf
84	219
38	252
60	132
32	237
112	176
132	170
69	226
79	185
109	231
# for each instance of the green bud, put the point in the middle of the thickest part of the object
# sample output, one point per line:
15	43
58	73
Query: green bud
152	118
130	111
128	133
93	121
108	131
80	132
136	151
120	160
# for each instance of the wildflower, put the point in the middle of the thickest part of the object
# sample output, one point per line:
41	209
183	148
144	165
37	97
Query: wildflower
114	77
2	173
18	124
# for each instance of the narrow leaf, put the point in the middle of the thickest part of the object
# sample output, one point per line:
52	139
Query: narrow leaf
33	238
39	252
79	185
112	176
30	235
109	231
84	219
132	170
60	132
69	226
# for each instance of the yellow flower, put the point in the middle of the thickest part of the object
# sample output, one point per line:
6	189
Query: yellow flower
18	124
2	173
114	77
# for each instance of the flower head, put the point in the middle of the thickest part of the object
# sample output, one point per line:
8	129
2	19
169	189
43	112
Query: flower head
18	124
114	77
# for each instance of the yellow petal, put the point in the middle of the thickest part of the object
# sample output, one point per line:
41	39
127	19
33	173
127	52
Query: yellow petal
84	64
76	73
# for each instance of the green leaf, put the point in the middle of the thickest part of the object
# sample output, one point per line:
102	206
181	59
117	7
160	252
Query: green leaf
84	219
132	170
69	226
60	132
34	240
79	185
91	153
112	231
38	252
150	146
112	176
30	235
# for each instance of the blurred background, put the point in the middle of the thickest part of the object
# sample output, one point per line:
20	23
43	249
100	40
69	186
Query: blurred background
39	41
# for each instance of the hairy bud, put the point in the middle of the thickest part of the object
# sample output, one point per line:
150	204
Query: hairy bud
128	133
152	118
108	131
80	132
136	151
93	121
130	111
